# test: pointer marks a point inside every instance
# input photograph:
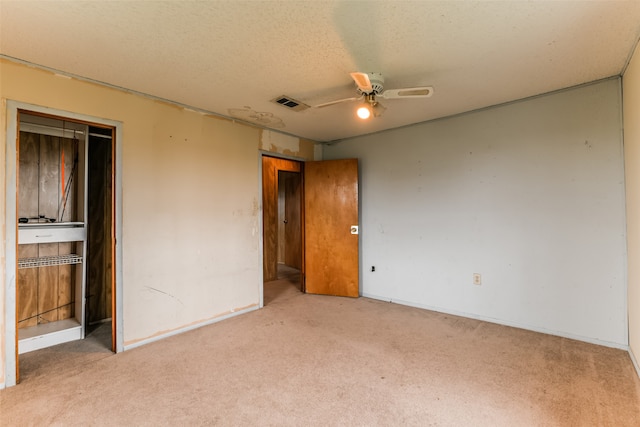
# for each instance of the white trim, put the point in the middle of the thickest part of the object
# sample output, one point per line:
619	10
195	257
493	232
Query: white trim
260	231
119	257
189	328
625	243
501	322
12	108
634	361
11	221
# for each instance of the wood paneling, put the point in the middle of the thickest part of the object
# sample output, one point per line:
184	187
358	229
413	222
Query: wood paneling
331	208
48	286
49	180
293	216
67	206
28	173
41	191
270	168
27	289
281	217
99	262
289	219
27	279
46	294
66	283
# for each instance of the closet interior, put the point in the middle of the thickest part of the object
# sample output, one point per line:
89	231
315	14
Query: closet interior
65	244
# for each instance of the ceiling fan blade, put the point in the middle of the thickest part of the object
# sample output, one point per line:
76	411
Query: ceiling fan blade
363	82
409	92
338	101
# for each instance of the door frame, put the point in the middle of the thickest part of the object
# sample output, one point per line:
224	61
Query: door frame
261	154
11	244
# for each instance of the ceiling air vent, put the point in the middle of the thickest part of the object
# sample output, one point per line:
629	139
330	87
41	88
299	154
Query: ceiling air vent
290	103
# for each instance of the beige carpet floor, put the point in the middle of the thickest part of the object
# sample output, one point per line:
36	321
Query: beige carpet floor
308	360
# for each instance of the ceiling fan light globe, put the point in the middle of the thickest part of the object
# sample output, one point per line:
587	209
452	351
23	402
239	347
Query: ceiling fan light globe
363	112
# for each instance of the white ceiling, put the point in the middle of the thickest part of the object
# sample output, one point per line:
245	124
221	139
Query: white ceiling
229	57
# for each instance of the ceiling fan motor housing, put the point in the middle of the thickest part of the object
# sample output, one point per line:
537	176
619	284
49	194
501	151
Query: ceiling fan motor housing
377	83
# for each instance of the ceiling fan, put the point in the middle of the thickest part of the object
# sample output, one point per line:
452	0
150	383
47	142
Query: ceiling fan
370	87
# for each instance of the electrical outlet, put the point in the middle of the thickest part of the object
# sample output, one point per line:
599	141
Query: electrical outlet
477	279
373	268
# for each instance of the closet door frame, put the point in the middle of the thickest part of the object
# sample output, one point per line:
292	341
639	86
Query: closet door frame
11	243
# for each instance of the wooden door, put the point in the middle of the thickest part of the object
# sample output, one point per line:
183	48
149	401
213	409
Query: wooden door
292	218
330	213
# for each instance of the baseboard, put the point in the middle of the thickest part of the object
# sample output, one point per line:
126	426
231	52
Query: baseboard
635	362
190	327
501	322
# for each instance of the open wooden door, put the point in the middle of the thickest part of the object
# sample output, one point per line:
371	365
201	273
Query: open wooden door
331	227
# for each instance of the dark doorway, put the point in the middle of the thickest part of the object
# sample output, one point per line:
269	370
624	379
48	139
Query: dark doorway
282	224
99	292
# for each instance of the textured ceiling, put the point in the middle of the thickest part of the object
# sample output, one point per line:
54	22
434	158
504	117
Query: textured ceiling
232	57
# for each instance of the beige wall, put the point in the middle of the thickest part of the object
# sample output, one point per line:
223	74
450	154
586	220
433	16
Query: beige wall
190	207
631	112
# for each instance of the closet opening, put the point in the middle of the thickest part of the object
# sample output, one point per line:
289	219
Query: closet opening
100	304
65	277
